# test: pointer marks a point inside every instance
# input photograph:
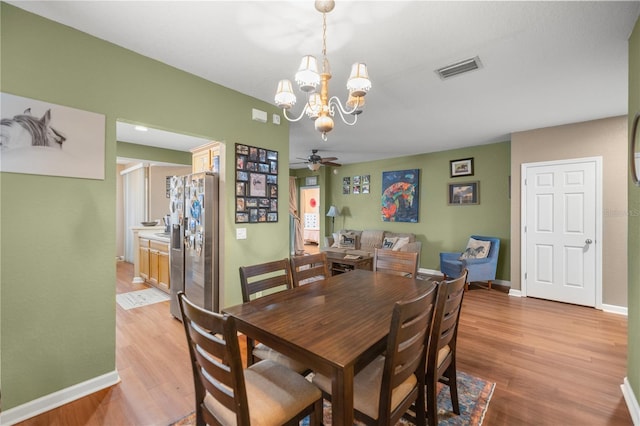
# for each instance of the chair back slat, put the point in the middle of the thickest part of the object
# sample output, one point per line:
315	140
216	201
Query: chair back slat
309	268
403	263
216	361
407	345
265	276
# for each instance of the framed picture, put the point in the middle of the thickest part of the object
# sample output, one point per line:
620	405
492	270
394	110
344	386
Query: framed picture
346	185
463	194
41	138
256	184
311	181
400	196
462	167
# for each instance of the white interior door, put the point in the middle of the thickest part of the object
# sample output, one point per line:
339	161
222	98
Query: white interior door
561	235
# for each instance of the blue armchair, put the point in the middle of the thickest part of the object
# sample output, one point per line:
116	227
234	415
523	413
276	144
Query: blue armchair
483	269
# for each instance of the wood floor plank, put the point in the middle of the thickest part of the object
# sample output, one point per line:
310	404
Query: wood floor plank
553	364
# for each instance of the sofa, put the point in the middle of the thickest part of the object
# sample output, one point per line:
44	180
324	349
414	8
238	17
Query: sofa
364	243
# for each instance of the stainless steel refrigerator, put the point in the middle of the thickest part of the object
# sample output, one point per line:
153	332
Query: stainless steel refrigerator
194	240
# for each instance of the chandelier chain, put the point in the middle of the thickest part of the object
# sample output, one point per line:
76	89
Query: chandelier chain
324	37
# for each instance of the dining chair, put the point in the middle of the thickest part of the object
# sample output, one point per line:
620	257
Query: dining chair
403	263
441	355
386	388
266	393
267	277
309	268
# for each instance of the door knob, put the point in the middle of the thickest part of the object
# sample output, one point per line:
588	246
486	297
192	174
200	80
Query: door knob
588	241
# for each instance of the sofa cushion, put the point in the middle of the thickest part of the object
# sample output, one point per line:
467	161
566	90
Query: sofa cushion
412	237
476	249
388	242
400	242
371	239
348	240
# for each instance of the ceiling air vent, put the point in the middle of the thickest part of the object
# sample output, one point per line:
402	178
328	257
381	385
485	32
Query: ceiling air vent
459	68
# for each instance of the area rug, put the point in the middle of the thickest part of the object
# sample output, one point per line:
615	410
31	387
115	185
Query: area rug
474	395
136	299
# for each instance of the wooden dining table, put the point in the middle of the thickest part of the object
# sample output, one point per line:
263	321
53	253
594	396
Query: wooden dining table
335	326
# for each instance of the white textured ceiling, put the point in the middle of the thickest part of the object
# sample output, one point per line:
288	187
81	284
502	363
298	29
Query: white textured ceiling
544	63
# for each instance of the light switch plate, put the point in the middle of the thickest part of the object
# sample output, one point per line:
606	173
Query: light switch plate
241	233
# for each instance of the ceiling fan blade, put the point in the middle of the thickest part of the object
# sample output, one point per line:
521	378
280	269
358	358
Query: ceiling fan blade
328	159
331	164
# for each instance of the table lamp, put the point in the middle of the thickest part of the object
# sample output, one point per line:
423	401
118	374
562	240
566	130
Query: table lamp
332	213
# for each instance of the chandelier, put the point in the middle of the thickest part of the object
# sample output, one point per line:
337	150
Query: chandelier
319	107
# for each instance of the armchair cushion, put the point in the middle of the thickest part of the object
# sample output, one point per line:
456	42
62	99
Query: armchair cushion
476	249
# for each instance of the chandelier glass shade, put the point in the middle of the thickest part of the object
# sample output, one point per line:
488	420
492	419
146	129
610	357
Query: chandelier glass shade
315	83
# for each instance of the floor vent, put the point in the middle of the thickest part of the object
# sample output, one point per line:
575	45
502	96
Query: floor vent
459	68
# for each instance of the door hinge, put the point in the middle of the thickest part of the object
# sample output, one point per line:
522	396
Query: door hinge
525	275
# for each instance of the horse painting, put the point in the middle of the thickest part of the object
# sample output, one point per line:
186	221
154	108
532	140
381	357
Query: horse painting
25	130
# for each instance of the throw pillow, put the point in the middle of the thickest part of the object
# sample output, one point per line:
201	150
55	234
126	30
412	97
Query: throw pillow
401	242
336	239
388	242
476	249
347	240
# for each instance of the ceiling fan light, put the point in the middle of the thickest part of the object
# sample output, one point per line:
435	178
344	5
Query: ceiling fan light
314	166
285	98
359	83
307	76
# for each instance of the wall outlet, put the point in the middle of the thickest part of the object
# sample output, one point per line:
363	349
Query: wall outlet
241	233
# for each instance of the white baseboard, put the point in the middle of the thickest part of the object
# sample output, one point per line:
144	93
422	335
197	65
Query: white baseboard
137	280
632	402
429	271
622	310
515	292
58	398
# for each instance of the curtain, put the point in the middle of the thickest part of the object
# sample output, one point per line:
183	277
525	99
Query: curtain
298	244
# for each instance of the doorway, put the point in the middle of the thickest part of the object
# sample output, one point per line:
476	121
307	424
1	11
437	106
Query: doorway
310	215
562	231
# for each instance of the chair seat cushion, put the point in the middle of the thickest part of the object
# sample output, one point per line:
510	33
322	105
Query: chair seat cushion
442	354
264	352
275	394
366	388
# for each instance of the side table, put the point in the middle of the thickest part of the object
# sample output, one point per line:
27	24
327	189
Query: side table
338	264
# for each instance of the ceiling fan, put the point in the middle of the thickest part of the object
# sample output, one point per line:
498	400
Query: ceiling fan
314	161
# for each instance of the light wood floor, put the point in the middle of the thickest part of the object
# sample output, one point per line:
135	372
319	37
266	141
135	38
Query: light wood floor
553	364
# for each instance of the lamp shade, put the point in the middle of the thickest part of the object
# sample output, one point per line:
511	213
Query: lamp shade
359	83
333	212
285	98
314	166
307	76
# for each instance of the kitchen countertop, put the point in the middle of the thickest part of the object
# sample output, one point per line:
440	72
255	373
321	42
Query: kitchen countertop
156	235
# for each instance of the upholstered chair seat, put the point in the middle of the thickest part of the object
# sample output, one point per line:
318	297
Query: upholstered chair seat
366	388
274	394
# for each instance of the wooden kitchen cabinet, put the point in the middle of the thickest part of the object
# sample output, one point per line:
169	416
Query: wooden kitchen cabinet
206	158
144	258
154	263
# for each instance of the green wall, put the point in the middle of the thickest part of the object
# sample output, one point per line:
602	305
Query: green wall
633	359
151	153
440	227
57	295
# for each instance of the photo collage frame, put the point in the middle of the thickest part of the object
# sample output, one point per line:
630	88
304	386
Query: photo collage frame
256	184
356	185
